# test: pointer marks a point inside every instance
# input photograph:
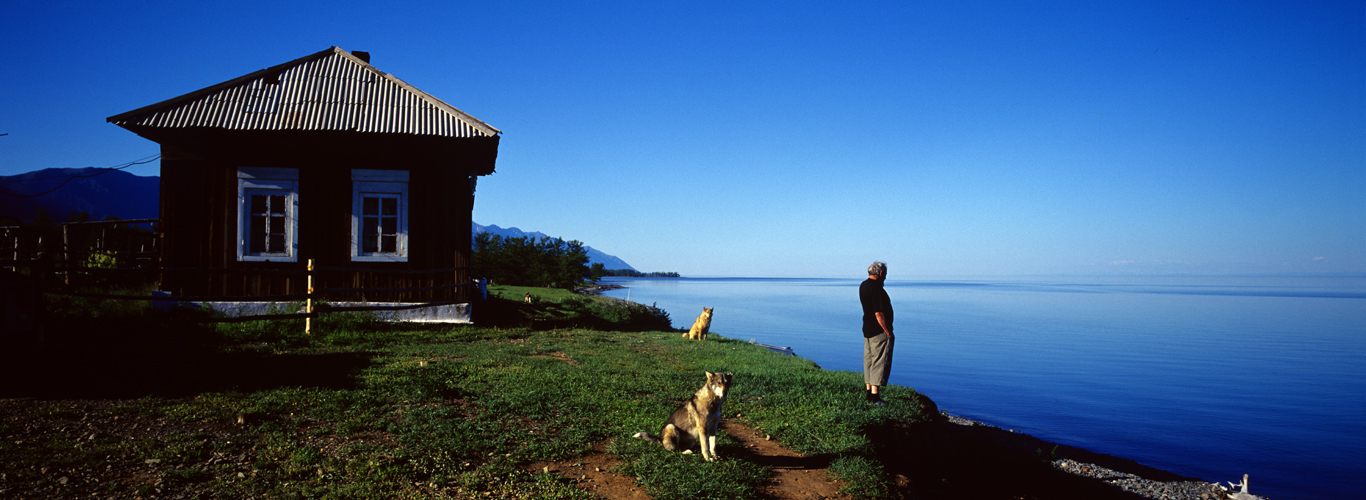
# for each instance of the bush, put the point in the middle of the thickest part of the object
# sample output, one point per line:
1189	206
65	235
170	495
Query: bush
625	315
550	263
555	308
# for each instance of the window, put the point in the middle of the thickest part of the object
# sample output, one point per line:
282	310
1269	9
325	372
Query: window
379	215
268	214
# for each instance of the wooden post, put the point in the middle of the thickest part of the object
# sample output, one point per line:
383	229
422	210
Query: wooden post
308	303
66	255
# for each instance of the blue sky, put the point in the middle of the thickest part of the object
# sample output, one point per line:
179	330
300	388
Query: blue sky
807	139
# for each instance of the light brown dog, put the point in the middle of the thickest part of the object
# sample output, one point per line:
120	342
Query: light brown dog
696	421
701	326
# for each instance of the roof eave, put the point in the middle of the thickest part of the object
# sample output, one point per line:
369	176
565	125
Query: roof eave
123	117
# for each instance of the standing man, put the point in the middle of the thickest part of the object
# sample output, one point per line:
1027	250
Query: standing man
877	332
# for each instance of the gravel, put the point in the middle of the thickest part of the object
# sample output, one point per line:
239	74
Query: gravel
1133	483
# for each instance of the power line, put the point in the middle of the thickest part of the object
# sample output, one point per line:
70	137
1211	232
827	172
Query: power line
140	161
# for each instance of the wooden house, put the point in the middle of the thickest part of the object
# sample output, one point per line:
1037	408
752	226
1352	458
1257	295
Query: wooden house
325	158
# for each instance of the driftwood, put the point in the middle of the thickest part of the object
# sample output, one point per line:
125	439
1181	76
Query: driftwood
1219	492
780	350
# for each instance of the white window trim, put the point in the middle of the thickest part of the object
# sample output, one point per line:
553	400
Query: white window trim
387	182
283	181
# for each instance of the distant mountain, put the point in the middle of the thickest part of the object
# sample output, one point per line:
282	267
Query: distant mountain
594	256
101	192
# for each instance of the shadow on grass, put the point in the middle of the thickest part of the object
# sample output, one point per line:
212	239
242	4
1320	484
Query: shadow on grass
135	356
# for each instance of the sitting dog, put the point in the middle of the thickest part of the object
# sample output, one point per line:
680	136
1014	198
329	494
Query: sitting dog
528	299
696	420
701	326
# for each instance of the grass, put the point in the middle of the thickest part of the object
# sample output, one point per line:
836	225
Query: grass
362	408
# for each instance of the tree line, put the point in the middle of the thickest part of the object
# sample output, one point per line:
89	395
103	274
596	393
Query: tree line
632	273
527	261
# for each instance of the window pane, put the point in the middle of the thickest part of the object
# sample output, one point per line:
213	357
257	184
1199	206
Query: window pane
370	206
390	243
369	235
389	225
390	206
258	203
276	243
277	225
277	205
256	236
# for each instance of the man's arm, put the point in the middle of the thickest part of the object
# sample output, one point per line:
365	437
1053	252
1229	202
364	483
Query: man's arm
882	322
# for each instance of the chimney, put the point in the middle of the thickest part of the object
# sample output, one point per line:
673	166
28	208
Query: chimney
364	56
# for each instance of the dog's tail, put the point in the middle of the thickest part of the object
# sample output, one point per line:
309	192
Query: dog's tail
646	436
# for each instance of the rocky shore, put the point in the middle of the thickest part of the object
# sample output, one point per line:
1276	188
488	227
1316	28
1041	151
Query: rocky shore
1134	480
597	289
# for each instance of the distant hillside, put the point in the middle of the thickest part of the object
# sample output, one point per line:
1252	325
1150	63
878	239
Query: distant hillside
594	256
99	191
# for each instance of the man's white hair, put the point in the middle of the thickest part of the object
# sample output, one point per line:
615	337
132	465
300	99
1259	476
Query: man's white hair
877	269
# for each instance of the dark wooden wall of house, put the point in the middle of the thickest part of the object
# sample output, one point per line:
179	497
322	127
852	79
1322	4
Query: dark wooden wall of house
199	216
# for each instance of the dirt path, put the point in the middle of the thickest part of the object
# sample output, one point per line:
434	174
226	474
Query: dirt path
595	472
794	477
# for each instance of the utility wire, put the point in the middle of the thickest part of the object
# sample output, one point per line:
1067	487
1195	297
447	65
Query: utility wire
140	161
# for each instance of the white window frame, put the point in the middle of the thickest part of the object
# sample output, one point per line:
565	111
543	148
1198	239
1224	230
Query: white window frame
379	184
267	181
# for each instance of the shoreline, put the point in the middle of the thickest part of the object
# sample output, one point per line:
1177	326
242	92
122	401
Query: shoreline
1122	473
597	289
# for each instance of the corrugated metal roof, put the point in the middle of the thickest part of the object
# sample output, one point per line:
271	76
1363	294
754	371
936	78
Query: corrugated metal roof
331	90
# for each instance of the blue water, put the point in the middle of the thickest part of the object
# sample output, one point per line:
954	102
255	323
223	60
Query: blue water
1205	377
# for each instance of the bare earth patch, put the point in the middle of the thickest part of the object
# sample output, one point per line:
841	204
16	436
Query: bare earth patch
595	472
795	477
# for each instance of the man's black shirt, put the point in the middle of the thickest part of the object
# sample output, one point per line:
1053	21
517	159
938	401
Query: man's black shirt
874	299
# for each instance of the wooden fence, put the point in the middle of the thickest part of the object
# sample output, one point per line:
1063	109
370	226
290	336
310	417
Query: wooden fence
134	241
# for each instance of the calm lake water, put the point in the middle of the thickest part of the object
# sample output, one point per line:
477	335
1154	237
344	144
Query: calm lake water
1205	377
